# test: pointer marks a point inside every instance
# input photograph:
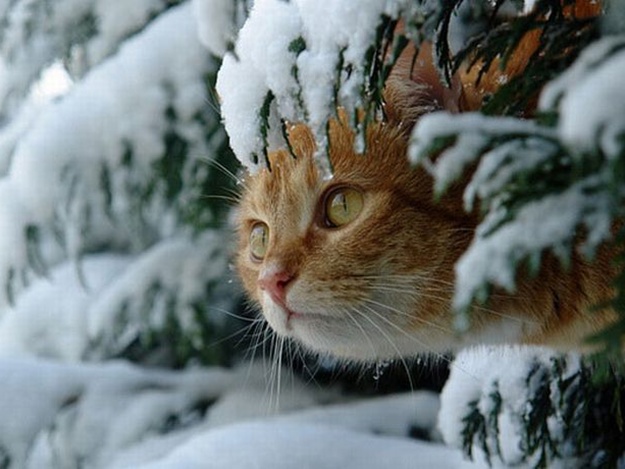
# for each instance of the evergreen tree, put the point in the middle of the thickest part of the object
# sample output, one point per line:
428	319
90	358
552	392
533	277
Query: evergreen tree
121	164
113	167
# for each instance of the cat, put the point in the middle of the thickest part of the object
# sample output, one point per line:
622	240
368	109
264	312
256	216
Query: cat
361	266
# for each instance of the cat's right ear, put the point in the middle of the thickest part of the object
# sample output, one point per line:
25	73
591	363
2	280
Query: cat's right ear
414	87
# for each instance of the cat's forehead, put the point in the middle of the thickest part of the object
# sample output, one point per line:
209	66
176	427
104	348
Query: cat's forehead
291	188
285	194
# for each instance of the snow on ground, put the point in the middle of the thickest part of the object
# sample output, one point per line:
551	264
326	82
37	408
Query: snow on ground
55	415
58	411
286	446
116	415
362	434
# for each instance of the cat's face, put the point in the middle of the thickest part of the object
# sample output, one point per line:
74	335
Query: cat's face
361	265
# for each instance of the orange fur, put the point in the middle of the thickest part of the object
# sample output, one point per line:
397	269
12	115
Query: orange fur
381	285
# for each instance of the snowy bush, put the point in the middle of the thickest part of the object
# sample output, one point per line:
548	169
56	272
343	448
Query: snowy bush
544	412
118	164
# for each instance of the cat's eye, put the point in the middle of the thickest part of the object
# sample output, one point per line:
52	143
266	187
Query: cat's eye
259	240
343	205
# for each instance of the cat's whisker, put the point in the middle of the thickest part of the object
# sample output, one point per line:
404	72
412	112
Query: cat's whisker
422	344
267	347
461	230
407	315
362	330
212	100
252	323
236	316
278	387
242	332
483	309
296	354
271	382
224	170
261	337
413	338
412	291
427	292
414	280
226	198
415	292
389	339
227	193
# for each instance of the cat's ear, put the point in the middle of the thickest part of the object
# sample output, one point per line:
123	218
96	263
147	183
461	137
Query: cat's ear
414	87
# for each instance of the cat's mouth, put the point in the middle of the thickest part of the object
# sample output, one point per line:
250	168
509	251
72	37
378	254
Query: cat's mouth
328	332
286	321
291	316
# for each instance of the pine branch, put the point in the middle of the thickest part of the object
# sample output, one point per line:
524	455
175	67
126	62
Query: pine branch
567	417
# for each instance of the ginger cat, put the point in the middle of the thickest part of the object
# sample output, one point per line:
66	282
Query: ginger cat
362	266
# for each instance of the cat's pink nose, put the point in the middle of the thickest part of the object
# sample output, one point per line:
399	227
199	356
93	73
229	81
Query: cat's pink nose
275	283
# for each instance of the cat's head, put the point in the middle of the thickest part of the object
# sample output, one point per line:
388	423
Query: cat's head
360	265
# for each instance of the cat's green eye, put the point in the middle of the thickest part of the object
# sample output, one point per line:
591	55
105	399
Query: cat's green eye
259	240
342	206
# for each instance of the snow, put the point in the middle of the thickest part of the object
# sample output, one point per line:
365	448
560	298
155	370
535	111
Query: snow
291	50
54	82
591	99
473	374
362	434
591	104
113	416
472	133
216	24
73	313
189	265
498	167
59	329
285	446
92	410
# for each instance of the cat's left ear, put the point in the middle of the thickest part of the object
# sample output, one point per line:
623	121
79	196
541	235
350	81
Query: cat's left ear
414	87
